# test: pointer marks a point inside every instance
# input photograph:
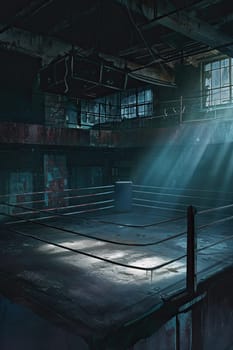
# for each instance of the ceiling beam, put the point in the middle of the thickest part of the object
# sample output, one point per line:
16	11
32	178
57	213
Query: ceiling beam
196	5
200	31
155	74
152	10
69	22
181	22
224	20
41	46
29	10
48	48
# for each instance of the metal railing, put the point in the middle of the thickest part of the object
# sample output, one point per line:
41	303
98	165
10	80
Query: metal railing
193	108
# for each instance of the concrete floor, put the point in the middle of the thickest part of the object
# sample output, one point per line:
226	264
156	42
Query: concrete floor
94	297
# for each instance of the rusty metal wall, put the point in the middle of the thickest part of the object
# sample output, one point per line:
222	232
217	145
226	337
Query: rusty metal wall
40	135
192	134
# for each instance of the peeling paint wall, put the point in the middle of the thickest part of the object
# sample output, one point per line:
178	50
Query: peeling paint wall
55	174
20	183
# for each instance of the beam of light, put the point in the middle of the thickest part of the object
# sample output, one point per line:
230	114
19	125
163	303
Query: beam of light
148	261
117	274
178	162
81	244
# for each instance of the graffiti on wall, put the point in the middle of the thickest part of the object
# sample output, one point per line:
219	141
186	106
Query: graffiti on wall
55	173
20	189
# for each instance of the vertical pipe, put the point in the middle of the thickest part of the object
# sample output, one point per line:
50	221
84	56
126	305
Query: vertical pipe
191	280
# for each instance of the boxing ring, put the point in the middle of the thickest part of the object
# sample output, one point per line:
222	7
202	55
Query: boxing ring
112	265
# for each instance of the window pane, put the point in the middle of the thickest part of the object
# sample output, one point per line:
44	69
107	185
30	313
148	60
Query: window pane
232	76
208	98
216	97
225	77
225	63
141	96
136	103
207	67
208	79
216	78
148	109
132	99
216	65
148	95
141	110
225	95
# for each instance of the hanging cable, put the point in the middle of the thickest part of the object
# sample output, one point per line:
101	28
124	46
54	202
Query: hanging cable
65	77
143	39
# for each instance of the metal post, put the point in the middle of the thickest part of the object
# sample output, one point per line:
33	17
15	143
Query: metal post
99	121
181	109
191	278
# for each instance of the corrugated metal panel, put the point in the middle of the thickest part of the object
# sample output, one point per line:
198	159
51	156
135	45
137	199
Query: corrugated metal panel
185	330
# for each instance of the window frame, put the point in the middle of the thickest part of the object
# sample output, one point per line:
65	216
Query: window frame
99	110
221	104
130	110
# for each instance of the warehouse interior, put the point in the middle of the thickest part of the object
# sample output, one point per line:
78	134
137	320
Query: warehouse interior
116	126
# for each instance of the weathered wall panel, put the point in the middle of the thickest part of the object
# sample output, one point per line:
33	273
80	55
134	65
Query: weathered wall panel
11	133
218	317
185	134
205	324
163	339
55	174
21	329
185	330
20	183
